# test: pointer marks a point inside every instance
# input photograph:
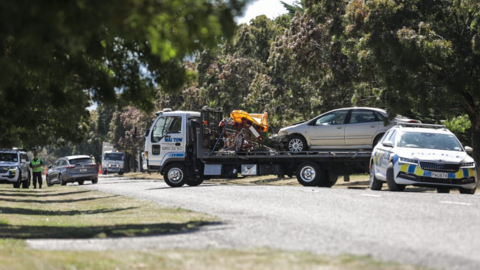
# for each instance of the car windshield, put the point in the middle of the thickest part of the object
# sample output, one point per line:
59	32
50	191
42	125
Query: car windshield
113	156
430	141
80	161
9	157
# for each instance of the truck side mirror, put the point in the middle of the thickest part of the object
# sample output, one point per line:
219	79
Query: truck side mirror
146	133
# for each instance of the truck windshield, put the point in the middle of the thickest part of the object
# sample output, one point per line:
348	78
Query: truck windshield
165	125
113	156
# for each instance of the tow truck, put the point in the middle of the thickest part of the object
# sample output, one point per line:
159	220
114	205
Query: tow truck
188	147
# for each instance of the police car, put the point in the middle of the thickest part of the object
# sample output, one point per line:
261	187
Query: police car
15	167
422	155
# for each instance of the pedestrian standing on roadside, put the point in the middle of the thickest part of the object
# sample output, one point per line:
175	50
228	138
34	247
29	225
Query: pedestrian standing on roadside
37	166
93	159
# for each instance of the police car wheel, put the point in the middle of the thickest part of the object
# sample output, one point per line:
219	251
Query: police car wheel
443	190
467	191
392	186
375	184
175	175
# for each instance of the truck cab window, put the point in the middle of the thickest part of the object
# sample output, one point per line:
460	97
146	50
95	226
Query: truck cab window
165	125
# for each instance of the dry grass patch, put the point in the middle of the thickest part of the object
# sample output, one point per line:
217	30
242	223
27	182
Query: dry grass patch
73	212
17	256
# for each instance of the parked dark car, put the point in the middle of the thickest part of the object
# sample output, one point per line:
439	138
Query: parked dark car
72	169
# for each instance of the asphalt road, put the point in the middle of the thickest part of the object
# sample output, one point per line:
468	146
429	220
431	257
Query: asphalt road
424	229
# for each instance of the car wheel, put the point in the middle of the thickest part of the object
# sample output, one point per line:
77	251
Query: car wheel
94	181
296	143
392	186
375	184
443	190
328	180
120	173
80	182
308	174
467	191
61	180
175	175
26	183
195	182
47	179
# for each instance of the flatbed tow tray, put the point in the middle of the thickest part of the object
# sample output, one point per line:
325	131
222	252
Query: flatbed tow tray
285	154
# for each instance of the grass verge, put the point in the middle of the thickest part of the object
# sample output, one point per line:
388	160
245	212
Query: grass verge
72	212
14	255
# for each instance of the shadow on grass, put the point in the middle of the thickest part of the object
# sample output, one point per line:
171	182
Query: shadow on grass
56	201
125	230
25	211
36	193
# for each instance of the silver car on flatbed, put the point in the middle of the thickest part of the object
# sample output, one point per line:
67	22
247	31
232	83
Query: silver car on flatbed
345	128
72	169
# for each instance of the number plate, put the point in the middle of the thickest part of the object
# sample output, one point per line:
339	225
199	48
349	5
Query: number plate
439	175
83	170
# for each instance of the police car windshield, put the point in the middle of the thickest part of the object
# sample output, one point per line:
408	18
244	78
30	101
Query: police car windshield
112	156
9	157
429	141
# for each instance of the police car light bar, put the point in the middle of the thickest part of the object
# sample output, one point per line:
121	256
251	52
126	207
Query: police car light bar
421	125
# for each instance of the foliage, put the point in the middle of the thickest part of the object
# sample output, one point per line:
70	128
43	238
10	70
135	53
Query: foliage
56	56
425	54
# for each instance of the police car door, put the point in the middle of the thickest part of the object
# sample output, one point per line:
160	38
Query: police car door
167	140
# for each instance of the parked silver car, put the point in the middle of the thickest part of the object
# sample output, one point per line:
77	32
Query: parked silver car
72	169
345	128
15	168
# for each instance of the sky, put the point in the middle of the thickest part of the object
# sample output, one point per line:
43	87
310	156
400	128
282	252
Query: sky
271	8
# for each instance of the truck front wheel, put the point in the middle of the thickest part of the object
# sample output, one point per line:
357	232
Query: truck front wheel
175	175
308	174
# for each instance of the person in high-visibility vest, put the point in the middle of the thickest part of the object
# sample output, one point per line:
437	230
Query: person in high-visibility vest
37	166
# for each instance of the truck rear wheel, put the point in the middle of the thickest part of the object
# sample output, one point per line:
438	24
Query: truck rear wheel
308	174
328	180
175	175
195	182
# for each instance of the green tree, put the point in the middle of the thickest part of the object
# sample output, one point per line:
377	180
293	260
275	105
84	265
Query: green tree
58	55
425	54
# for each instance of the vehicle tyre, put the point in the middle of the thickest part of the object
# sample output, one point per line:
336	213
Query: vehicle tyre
443	190
61	180
81	182
120	173
467	191
328	180
94	181
26	183
375	184
19	182
175	175
47	179
195	182
308	174
296	143
392	186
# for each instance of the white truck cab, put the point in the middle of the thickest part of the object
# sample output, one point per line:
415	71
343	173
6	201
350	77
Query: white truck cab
166	139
